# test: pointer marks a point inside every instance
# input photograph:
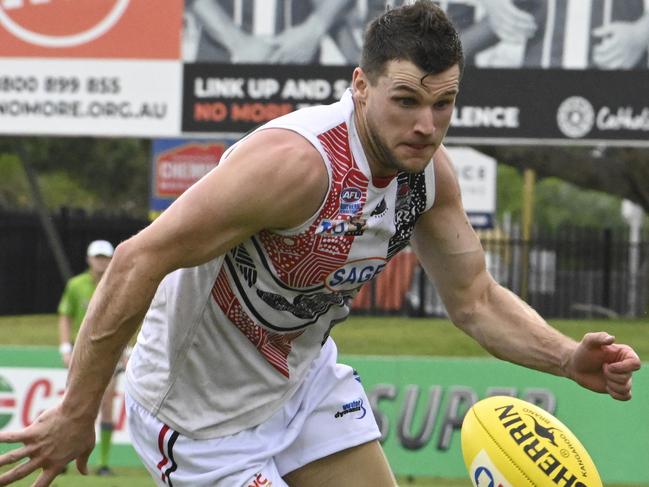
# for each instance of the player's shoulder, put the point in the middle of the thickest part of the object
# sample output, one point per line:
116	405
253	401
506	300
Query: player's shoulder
447	187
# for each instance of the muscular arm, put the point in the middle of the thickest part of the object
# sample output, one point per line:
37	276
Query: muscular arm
275	179
503	324
452	256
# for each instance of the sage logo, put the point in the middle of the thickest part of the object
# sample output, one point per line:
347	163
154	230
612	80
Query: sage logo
355	273
575	117
7	402
77	21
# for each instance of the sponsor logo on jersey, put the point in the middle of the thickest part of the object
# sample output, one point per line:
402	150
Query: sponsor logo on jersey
259	481
342	226
355	273
355	406
350	201
380	210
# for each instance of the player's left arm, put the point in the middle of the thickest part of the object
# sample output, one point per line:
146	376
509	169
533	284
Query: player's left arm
452	255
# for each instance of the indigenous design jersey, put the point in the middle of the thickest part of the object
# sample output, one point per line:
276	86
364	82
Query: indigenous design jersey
224	344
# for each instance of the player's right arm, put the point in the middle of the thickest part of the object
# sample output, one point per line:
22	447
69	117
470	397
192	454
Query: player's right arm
274	179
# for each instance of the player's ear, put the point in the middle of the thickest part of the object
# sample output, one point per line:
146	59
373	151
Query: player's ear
360	85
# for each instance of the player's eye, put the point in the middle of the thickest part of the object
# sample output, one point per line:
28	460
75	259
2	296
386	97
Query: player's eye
406	101
443	104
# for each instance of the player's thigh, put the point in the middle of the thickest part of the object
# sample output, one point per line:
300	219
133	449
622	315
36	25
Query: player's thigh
361	466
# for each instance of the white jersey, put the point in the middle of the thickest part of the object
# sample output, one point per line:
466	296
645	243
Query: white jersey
225	344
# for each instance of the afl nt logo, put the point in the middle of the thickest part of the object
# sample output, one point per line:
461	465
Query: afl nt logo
575	117
77	21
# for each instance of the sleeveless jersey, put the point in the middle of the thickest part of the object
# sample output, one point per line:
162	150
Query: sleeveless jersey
226	343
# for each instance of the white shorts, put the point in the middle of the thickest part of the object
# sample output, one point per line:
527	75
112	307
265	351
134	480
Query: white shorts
328	413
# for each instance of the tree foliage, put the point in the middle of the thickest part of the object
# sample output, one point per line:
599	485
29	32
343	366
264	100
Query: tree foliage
623	172
100	174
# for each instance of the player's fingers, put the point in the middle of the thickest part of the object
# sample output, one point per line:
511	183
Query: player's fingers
46	478
619	392
19	472
82	463
597	339
15	455
616	378
12	436
627	365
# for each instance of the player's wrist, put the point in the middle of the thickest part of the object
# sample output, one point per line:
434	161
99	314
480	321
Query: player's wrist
65	347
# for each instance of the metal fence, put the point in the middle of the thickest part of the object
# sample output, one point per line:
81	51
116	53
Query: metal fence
571	274
30	281
574	273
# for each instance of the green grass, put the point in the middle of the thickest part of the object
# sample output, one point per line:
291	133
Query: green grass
360	335
400	336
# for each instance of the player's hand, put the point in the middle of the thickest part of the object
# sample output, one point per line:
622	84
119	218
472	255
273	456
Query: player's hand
621	45
600	364
49	443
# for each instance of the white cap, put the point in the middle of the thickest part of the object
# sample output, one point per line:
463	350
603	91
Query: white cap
100	247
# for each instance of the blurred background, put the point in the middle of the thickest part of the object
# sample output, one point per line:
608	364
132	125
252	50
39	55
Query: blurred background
110	113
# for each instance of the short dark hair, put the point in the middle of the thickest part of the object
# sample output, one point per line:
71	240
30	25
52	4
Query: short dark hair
420	33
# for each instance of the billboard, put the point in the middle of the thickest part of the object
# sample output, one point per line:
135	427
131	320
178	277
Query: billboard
136	69
95	71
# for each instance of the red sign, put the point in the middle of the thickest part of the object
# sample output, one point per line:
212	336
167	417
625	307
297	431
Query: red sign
119	29
177	169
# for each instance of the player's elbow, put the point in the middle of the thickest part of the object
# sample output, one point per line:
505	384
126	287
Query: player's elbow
469	308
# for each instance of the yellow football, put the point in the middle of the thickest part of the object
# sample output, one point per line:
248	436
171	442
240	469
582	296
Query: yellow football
508	442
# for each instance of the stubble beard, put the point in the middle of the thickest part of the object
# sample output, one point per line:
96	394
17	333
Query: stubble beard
379	150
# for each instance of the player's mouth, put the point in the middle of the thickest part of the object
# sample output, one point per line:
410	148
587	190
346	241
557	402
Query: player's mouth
417	147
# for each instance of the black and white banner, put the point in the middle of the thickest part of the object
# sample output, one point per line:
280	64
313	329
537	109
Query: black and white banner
494	106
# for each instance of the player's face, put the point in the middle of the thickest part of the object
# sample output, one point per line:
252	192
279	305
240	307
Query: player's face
404	117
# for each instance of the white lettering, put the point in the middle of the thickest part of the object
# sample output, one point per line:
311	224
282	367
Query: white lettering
310	89
499	117
262	88
219	87
624	119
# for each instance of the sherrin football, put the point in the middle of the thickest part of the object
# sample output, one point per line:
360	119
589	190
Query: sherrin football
508	442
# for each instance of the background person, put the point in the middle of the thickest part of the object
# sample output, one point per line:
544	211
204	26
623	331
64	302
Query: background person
72	309
234	378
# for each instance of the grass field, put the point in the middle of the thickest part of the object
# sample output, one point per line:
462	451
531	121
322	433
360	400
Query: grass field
361	335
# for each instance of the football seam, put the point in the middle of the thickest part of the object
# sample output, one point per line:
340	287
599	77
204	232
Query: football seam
503	450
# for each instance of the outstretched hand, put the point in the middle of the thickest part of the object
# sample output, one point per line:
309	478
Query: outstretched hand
601	365
49	443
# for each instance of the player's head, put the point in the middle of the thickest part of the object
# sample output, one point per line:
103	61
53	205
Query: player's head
405	87
420	33
98	257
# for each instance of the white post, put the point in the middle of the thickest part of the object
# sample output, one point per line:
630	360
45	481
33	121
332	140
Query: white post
633	214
